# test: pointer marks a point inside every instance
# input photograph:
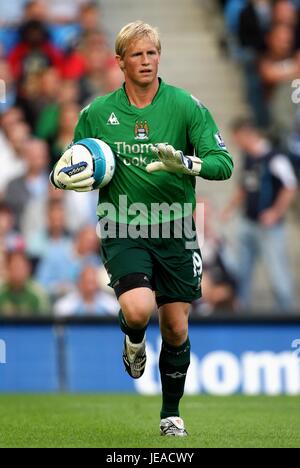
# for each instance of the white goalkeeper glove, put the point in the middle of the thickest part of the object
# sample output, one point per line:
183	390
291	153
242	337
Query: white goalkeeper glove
68	176
174	161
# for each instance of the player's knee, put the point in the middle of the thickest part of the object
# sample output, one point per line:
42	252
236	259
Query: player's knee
137	312
136	317
175	334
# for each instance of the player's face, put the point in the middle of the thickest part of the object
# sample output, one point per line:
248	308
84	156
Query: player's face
140	63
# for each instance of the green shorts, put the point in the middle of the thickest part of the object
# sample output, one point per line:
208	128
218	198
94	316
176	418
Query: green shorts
173	265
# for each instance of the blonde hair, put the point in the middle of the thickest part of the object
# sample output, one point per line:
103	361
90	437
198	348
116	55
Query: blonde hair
134	31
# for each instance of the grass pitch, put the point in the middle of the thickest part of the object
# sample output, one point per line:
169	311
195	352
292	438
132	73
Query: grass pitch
115	421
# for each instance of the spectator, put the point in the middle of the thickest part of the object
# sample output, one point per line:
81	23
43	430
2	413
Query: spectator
19	295
10	118
34	183
254	23
98	61
49	234
68	117
35	10
9	238
66	34
232	13
13	137
10	89
89	16
285	12
47	126
61	266
18	135
267	188
278	67
87	299
34	52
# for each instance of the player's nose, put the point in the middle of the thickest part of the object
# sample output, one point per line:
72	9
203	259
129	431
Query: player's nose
145	59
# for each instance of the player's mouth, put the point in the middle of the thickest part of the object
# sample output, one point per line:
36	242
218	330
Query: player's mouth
146	72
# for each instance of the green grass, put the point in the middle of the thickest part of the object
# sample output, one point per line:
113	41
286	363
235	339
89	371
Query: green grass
114	421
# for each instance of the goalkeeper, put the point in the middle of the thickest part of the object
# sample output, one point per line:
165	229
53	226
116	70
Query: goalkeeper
163	138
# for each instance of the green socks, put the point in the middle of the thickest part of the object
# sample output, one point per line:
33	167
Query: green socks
135	335
173	366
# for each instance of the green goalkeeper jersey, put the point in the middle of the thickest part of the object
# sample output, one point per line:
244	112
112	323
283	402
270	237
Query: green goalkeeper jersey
174	117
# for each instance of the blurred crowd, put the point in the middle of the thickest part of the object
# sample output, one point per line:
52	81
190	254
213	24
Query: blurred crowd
54	59
263	38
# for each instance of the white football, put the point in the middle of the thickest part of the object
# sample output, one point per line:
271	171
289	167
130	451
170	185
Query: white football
99	156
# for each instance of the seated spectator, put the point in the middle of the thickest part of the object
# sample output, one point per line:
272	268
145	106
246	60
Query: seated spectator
68	117
47	125
86	203
17	136
278	67
34	52
67	35
232	13
279	64
10	89
285	12
254	22
88	298
34	183
113	79
89	16
19	295
11	144
44	228
11	117
9	238
98	62
35	10
61	265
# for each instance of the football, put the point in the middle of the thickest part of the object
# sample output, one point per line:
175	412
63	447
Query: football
98	155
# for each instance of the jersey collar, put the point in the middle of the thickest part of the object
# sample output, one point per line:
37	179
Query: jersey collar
158	93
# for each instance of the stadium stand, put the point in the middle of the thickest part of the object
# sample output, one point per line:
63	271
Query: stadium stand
75	63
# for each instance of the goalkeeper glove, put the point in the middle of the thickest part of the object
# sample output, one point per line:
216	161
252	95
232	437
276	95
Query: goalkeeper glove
68	176
174	161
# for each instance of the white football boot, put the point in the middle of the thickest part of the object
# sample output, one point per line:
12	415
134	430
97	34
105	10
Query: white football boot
172	426
134	357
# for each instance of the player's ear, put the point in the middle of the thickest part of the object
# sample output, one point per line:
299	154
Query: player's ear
120	62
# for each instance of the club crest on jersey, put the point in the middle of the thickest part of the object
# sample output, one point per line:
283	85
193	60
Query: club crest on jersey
141	130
